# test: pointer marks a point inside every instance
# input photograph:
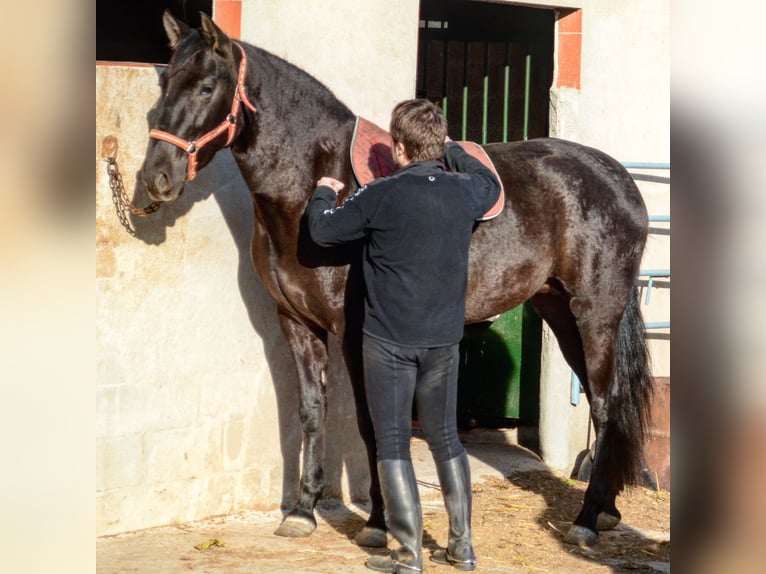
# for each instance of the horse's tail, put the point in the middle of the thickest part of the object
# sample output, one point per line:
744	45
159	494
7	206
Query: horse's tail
629	401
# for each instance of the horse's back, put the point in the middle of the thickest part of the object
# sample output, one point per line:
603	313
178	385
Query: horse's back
570	210
555	168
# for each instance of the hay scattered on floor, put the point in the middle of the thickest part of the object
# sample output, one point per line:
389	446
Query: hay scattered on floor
521	521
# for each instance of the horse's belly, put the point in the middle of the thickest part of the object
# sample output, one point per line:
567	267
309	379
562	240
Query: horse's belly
505	269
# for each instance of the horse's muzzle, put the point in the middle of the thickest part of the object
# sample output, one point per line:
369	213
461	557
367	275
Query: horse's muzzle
159	186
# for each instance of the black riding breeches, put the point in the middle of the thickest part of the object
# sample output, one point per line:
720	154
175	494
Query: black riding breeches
397	376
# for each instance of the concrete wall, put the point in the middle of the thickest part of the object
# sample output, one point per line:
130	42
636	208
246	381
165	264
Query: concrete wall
197	397
185	406
196	400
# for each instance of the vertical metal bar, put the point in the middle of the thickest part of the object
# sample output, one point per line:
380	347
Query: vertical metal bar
426	50
445	71
506	92
575	388
485	95
527	73
649	289
465	92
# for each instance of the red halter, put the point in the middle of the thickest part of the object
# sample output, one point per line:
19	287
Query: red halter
230	123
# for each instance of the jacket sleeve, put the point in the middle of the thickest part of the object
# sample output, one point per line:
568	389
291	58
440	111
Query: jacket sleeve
486	188
330	225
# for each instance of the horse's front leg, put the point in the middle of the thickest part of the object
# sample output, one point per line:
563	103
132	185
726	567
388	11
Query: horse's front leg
309	349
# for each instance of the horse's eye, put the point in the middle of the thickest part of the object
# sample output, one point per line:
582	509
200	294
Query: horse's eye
206	90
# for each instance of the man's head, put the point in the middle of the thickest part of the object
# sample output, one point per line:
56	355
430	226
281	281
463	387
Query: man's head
418	130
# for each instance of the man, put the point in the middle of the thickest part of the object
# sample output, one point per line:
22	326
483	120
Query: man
417	224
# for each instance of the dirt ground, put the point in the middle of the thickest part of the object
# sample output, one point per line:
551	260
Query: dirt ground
520	512
520	521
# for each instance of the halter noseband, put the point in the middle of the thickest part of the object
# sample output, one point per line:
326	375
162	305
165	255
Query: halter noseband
230	123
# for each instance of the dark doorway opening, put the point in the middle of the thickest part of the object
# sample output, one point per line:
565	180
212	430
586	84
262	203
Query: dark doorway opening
131	30
490	67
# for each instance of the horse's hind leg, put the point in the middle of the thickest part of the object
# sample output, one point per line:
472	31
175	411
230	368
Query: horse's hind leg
552	304
598	346
619	384
588	339
309	350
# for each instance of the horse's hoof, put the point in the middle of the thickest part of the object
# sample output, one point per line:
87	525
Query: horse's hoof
296	526
581	536
607	521
371	537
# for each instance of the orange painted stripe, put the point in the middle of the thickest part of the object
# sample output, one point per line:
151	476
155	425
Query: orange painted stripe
228	15
570	22
569	49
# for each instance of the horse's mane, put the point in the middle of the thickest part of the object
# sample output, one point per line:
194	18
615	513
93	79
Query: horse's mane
289	86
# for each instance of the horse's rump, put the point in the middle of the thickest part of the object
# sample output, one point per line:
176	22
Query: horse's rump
572	214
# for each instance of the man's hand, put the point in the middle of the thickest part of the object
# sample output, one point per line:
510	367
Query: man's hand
332	183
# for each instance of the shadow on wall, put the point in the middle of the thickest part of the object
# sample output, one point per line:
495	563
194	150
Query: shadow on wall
222	180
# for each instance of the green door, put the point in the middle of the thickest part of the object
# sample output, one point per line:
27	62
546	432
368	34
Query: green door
500	369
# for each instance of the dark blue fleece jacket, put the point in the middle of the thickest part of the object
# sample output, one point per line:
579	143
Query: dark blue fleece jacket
418	224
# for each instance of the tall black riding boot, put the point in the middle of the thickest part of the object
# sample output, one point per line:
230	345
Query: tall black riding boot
403	518
455	480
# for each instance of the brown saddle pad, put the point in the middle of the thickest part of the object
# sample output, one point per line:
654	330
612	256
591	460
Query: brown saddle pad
371	158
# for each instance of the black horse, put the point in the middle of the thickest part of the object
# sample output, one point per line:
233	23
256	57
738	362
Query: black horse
570	240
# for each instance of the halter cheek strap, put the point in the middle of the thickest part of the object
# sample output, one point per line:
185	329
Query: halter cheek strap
230	123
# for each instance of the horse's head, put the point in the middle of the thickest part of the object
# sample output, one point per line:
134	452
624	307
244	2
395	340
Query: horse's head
199	108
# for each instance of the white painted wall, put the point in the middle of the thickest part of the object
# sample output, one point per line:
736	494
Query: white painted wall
366	52
625	95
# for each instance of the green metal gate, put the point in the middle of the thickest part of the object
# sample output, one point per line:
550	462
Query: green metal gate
500	369
490	67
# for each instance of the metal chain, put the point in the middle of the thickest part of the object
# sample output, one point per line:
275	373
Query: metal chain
121	200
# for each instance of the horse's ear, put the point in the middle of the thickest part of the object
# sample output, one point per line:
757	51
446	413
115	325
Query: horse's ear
215	37
175	29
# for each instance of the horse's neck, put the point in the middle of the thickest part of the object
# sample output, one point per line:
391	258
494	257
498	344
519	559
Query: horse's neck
295	101
294	113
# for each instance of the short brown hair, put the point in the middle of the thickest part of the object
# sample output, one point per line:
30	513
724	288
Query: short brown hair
421	127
